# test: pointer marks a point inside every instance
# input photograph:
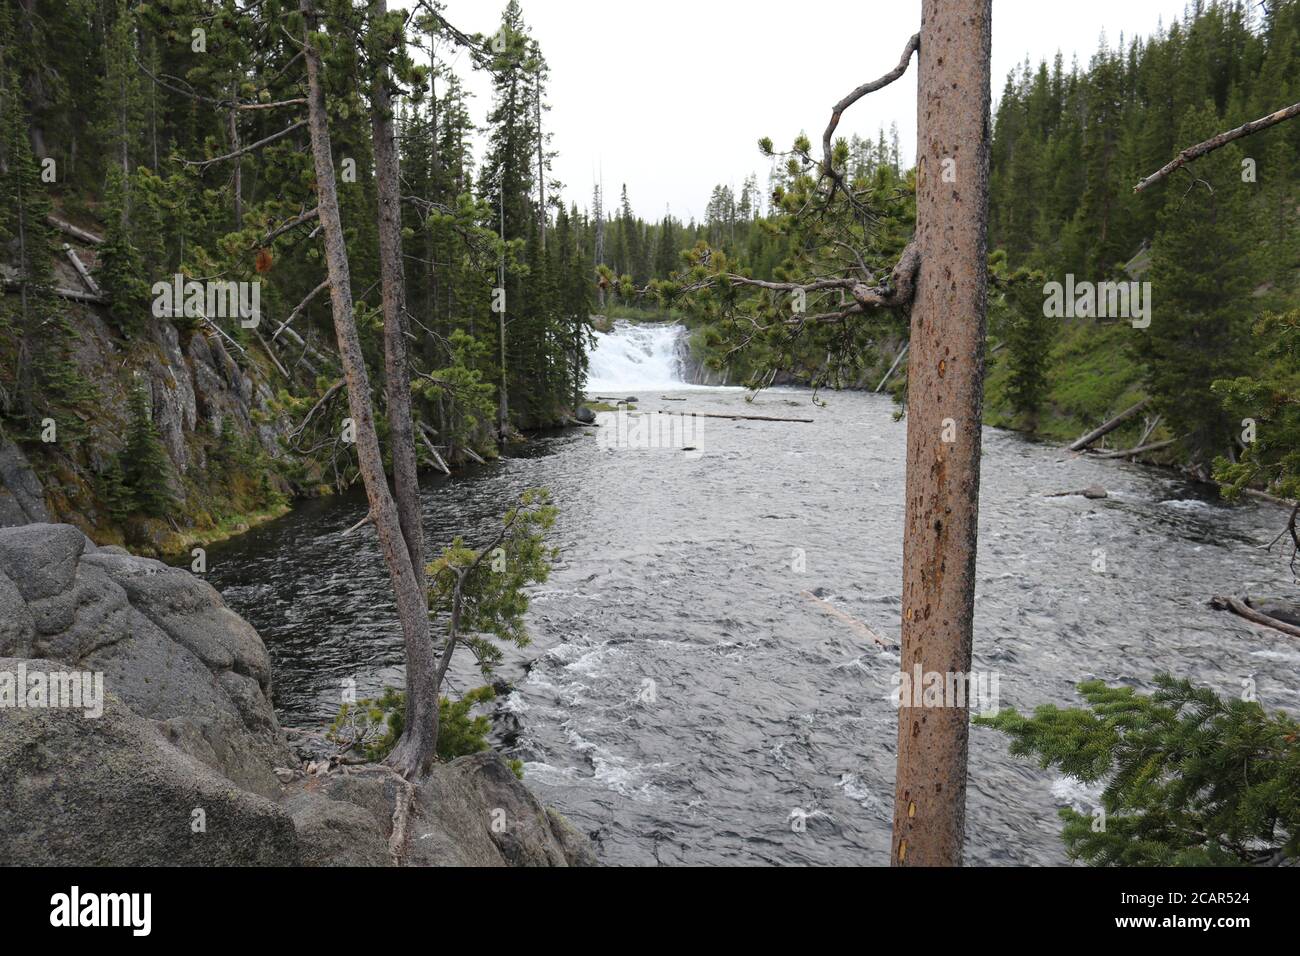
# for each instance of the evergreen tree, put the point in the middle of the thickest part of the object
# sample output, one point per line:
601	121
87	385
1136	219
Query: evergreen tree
1190	779
145	468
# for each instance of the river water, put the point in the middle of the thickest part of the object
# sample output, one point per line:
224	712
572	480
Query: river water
698	691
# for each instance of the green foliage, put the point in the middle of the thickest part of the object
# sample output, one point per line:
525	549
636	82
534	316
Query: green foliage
371	728
1016	319
1217	240
482	592
145	468
121	265
1272	459
1190	779
812	230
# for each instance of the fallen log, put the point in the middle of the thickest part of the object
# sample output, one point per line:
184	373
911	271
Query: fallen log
1152	425
473	454
1241	609
1140	450
271	355
1110	426
893	368
13	285
82	271
848	619
75	232
736	418
578	421
433	451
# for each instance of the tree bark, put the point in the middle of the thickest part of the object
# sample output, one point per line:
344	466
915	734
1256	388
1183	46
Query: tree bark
416	751
945	389
421	691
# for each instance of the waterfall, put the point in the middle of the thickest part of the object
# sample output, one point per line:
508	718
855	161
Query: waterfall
636	357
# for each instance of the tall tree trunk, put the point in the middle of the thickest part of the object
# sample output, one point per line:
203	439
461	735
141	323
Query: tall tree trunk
945	405
541	162
421	692
416	750
237	185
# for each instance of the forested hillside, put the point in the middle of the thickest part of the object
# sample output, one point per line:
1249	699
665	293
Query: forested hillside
166	143
162	139
1217	242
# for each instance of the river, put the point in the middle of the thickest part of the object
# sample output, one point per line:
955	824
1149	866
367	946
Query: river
697	690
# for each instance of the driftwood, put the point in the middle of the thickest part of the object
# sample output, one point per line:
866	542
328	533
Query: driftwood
82	271
578	421
1110	426
75	232
893	368
1242	609
368	519
1140	450
1150	430
475	455
848	619
735	418
423	431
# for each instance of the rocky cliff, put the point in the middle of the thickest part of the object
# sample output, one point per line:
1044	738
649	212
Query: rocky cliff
185	762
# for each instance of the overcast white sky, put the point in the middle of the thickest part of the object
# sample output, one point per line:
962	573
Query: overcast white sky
671	96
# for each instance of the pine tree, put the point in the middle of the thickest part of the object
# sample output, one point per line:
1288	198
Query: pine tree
1190	779
1204	264
145	468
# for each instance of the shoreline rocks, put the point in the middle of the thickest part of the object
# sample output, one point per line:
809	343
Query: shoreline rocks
187	762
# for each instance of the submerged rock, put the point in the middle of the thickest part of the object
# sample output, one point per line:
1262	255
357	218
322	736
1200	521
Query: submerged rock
1092	492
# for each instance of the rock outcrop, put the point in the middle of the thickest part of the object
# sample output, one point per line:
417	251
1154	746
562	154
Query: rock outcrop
21	499
187	762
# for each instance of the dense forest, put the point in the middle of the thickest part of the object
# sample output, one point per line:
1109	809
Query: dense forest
171	134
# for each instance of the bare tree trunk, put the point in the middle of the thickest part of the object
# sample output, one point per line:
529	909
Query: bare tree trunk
238	183
541	163
416	751
945	408
421	700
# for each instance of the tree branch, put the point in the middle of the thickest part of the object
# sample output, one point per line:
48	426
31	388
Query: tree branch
1223	139
205	163
837	111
